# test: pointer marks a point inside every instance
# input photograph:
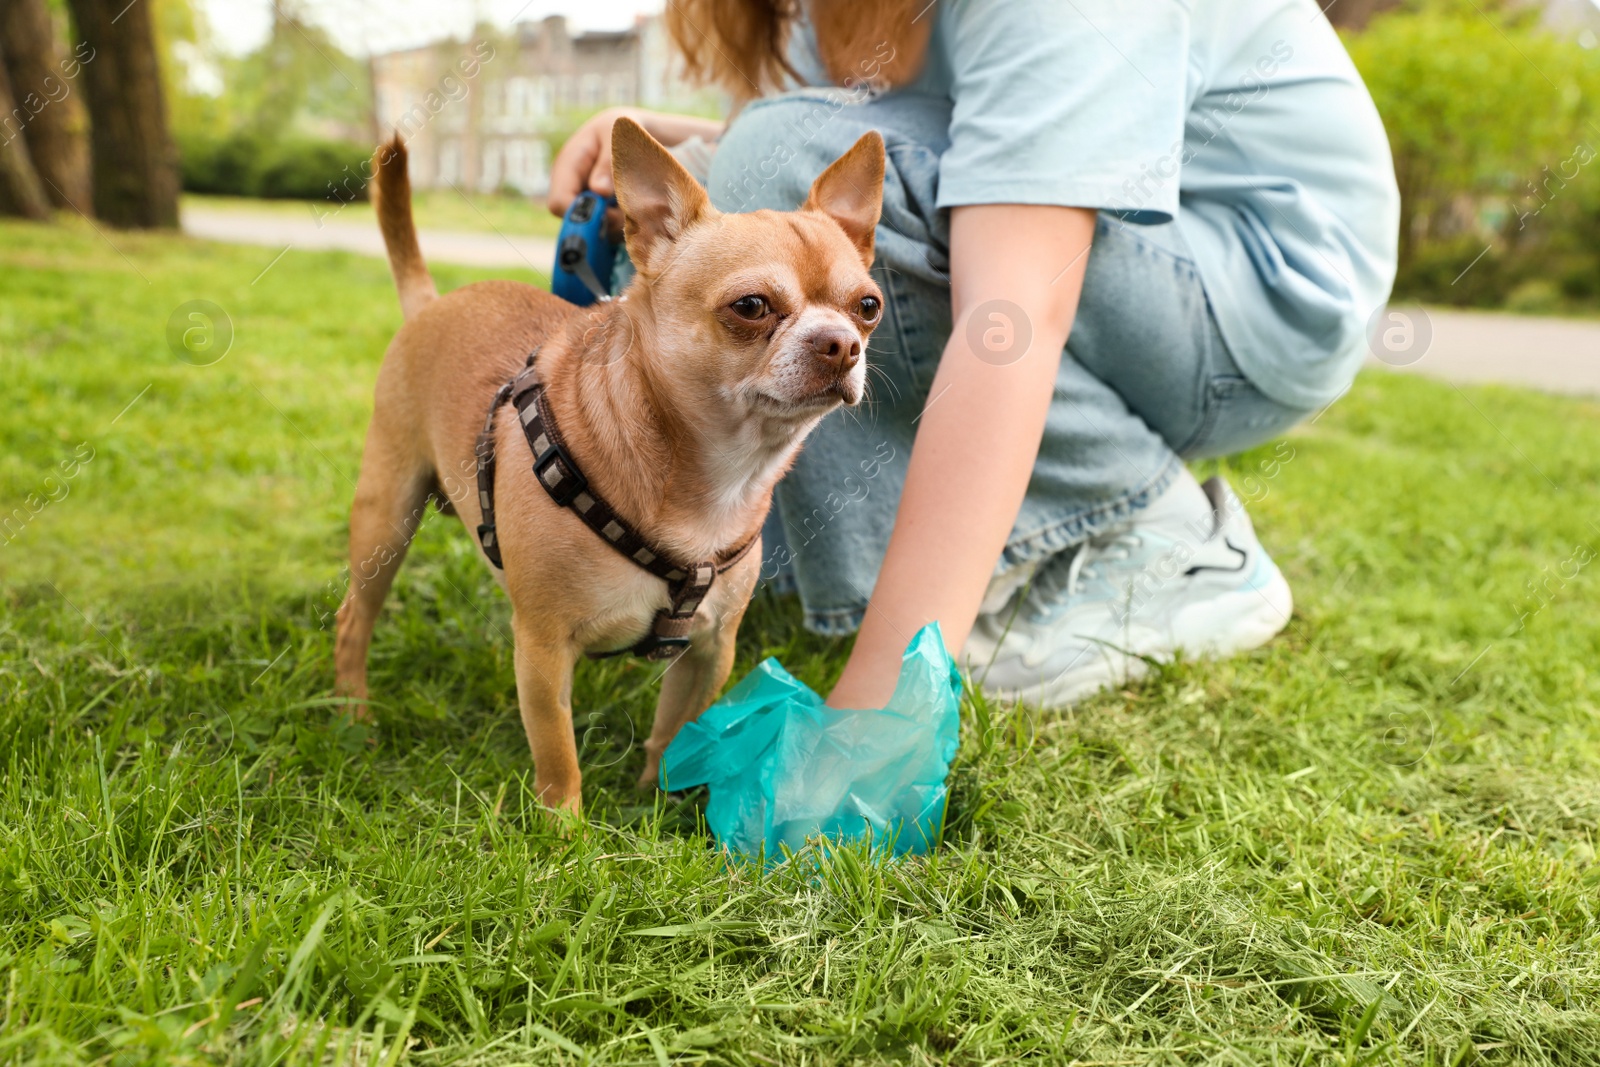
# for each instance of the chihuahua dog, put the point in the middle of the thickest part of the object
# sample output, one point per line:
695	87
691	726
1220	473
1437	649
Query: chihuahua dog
681	403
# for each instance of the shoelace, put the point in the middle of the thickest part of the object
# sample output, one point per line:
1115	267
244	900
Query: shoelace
1115	546
1053	585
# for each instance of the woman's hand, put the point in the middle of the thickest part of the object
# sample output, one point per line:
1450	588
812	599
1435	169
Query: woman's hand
1015	274
584	162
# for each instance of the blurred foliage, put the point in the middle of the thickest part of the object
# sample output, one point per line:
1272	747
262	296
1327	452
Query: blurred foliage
290	119
1492	122
180	30
287	167
299	81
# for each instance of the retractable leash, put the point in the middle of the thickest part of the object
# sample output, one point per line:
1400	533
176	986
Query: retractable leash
584	257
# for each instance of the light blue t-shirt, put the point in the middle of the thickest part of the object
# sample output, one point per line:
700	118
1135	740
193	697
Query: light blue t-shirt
1244	120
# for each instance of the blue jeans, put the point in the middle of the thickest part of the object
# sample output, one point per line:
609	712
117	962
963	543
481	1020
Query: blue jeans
1145	379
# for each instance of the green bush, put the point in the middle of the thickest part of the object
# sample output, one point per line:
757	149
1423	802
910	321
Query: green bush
305	169
294	168
220	165
1492	122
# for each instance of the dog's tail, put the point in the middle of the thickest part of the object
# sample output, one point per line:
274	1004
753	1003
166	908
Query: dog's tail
391	187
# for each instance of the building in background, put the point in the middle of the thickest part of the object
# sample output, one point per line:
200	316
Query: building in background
497	127
1581	18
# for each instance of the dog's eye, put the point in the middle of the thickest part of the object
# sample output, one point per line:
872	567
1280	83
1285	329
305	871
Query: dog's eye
870	307
751	307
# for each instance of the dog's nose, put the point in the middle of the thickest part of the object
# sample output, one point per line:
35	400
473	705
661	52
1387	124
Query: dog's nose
836	346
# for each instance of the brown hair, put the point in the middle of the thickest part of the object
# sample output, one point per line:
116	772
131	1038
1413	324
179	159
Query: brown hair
741	44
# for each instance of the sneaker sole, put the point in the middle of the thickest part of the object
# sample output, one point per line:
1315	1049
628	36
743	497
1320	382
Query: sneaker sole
1241	620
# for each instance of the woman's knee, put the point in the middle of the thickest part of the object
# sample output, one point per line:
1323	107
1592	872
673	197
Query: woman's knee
775	148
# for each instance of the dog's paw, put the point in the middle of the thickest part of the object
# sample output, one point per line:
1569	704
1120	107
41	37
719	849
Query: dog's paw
566	819
356	709
652	767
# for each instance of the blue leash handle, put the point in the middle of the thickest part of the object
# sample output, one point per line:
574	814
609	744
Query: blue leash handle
584	257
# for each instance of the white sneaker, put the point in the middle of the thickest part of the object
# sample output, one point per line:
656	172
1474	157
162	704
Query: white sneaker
1187	574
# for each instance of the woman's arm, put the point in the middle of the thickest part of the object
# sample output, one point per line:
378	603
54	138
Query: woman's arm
584	162
1015	274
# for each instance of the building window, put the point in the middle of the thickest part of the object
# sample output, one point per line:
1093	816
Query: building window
490	178
450	161
391	103
520	102
517	163
526	166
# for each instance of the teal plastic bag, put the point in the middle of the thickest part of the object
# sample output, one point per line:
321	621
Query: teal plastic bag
784	767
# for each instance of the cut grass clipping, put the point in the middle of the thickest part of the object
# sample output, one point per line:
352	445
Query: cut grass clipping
1371	842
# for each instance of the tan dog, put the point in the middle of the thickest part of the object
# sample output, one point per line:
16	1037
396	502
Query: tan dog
682	402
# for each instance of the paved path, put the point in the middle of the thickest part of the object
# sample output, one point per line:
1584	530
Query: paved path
277	230
1556	355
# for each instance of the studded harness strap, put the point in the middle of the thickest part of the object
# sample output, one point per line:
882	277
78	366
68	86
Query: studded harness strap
553	466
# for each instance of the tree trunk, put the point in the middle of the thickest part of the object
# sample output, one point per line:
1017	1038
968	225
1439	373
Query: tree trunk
44	85
21	192
133	162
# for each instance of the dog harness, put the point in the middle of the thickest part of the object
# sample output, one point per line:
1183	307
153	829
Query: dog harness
554	469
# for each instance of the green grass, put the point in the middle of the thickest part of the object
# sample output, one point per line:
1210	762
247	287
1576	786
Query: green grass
1371	842
435	209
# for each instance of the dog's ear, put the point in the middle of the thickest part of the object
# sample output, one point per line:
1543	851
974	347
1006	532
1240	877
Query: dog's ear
659	199
850	192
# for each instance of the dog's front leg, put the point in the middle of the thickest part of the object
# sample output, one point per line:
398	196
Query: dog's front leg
544	664
688	687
